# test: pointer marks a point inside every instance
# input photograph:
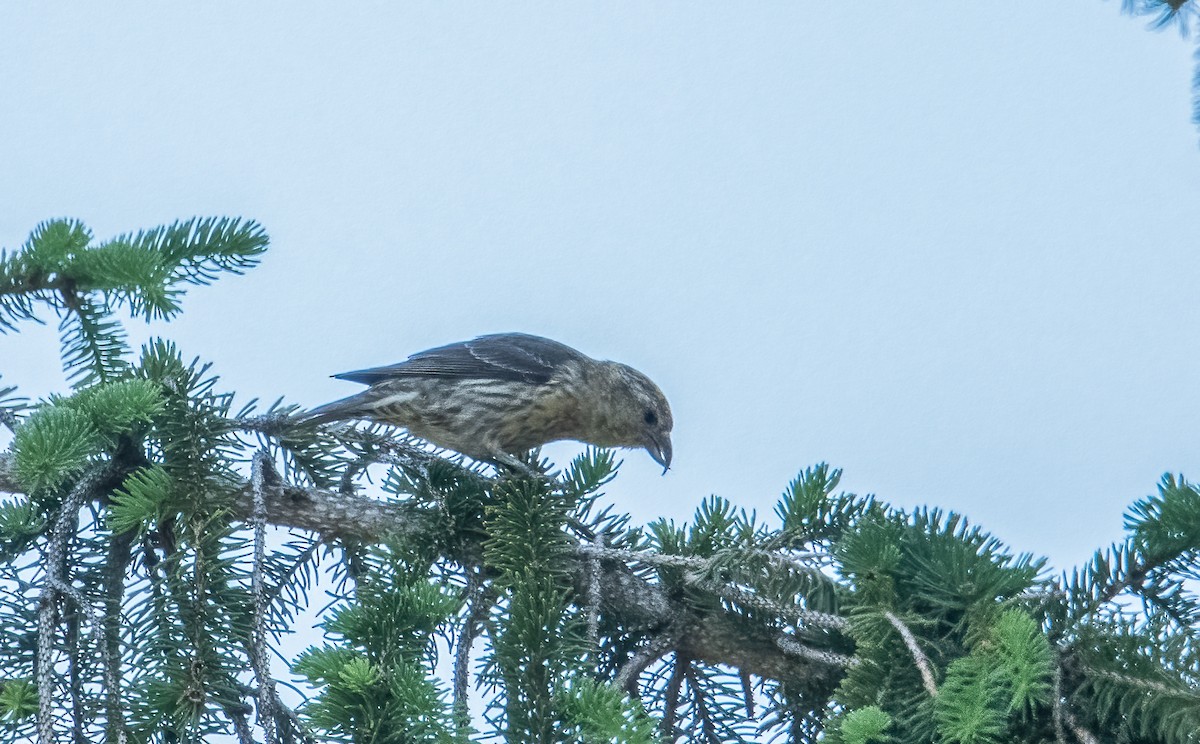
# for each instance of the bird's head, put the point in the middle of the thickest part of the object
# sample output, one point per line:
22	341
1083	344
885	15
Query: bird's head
638	413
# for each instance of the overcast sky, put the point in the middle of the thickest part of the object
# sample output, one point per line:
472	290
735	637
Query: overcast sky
948	248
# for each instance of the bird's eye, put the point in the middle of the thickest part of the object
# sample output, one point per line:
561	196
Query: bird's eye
650	418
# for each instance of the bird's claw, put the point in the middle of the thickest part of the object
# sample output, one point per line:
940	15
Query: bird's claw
519	466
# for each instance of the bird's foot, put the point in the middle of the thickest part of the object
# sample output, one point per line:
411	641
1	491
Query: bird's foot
516	466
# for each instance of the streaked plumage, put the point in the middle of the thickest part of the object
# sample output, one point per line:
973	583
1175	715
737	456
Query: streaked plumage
502	394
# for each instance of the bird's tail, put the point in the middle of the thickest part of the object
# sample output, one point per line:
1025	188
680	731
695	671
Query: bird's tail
339	410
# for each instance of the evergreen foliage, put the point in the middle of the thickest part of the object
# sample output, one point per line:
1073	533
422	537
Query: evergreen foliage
142	590
1180	15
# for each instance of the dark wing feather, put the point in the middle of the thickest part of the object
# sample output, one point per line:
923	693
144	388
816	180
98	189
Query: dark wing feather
518	357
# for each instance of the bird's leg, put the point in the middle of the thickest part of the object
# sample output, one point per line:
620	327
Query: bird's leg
518	467
516	464
552	479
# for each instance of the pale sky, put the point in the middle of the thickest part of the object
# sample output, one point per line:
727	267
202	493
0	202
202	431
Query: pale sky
948	248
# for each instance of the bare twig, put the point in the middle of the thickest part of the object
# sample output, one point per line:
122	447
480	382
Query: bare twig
627	677
112	688
795	561
274	424
477	608
593	596
794	647
679	561
918	655
77	598
54	560
258	642
1059	732
796	615
75	675
698	576
8	478
116	560
403	450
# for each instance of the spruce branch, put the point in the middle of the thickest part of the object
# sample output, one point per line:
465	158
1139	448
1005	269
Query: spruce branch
83	284
723	591
1166	538
721	638
94	346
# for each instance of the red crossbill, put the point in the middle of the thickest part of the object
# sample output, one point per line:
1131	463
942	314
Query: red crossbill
499	395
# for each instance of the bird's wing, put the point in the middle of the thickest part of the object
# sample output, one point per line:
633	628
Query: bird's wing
519	357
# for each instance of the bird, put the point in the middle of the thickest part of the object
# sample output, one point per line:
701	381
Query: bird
498	395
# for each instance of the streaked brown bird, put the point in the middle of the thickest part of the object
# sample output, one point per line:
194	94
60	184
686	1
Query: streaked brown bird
498	395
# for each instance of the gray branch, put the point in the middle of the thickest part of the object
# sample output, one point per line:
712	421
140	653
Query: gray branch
914	648
716	637
8	479
721	637
258	639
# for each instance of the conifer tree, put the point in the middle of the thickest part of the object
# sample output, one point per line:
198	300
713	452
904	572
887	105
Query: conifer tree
159	536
